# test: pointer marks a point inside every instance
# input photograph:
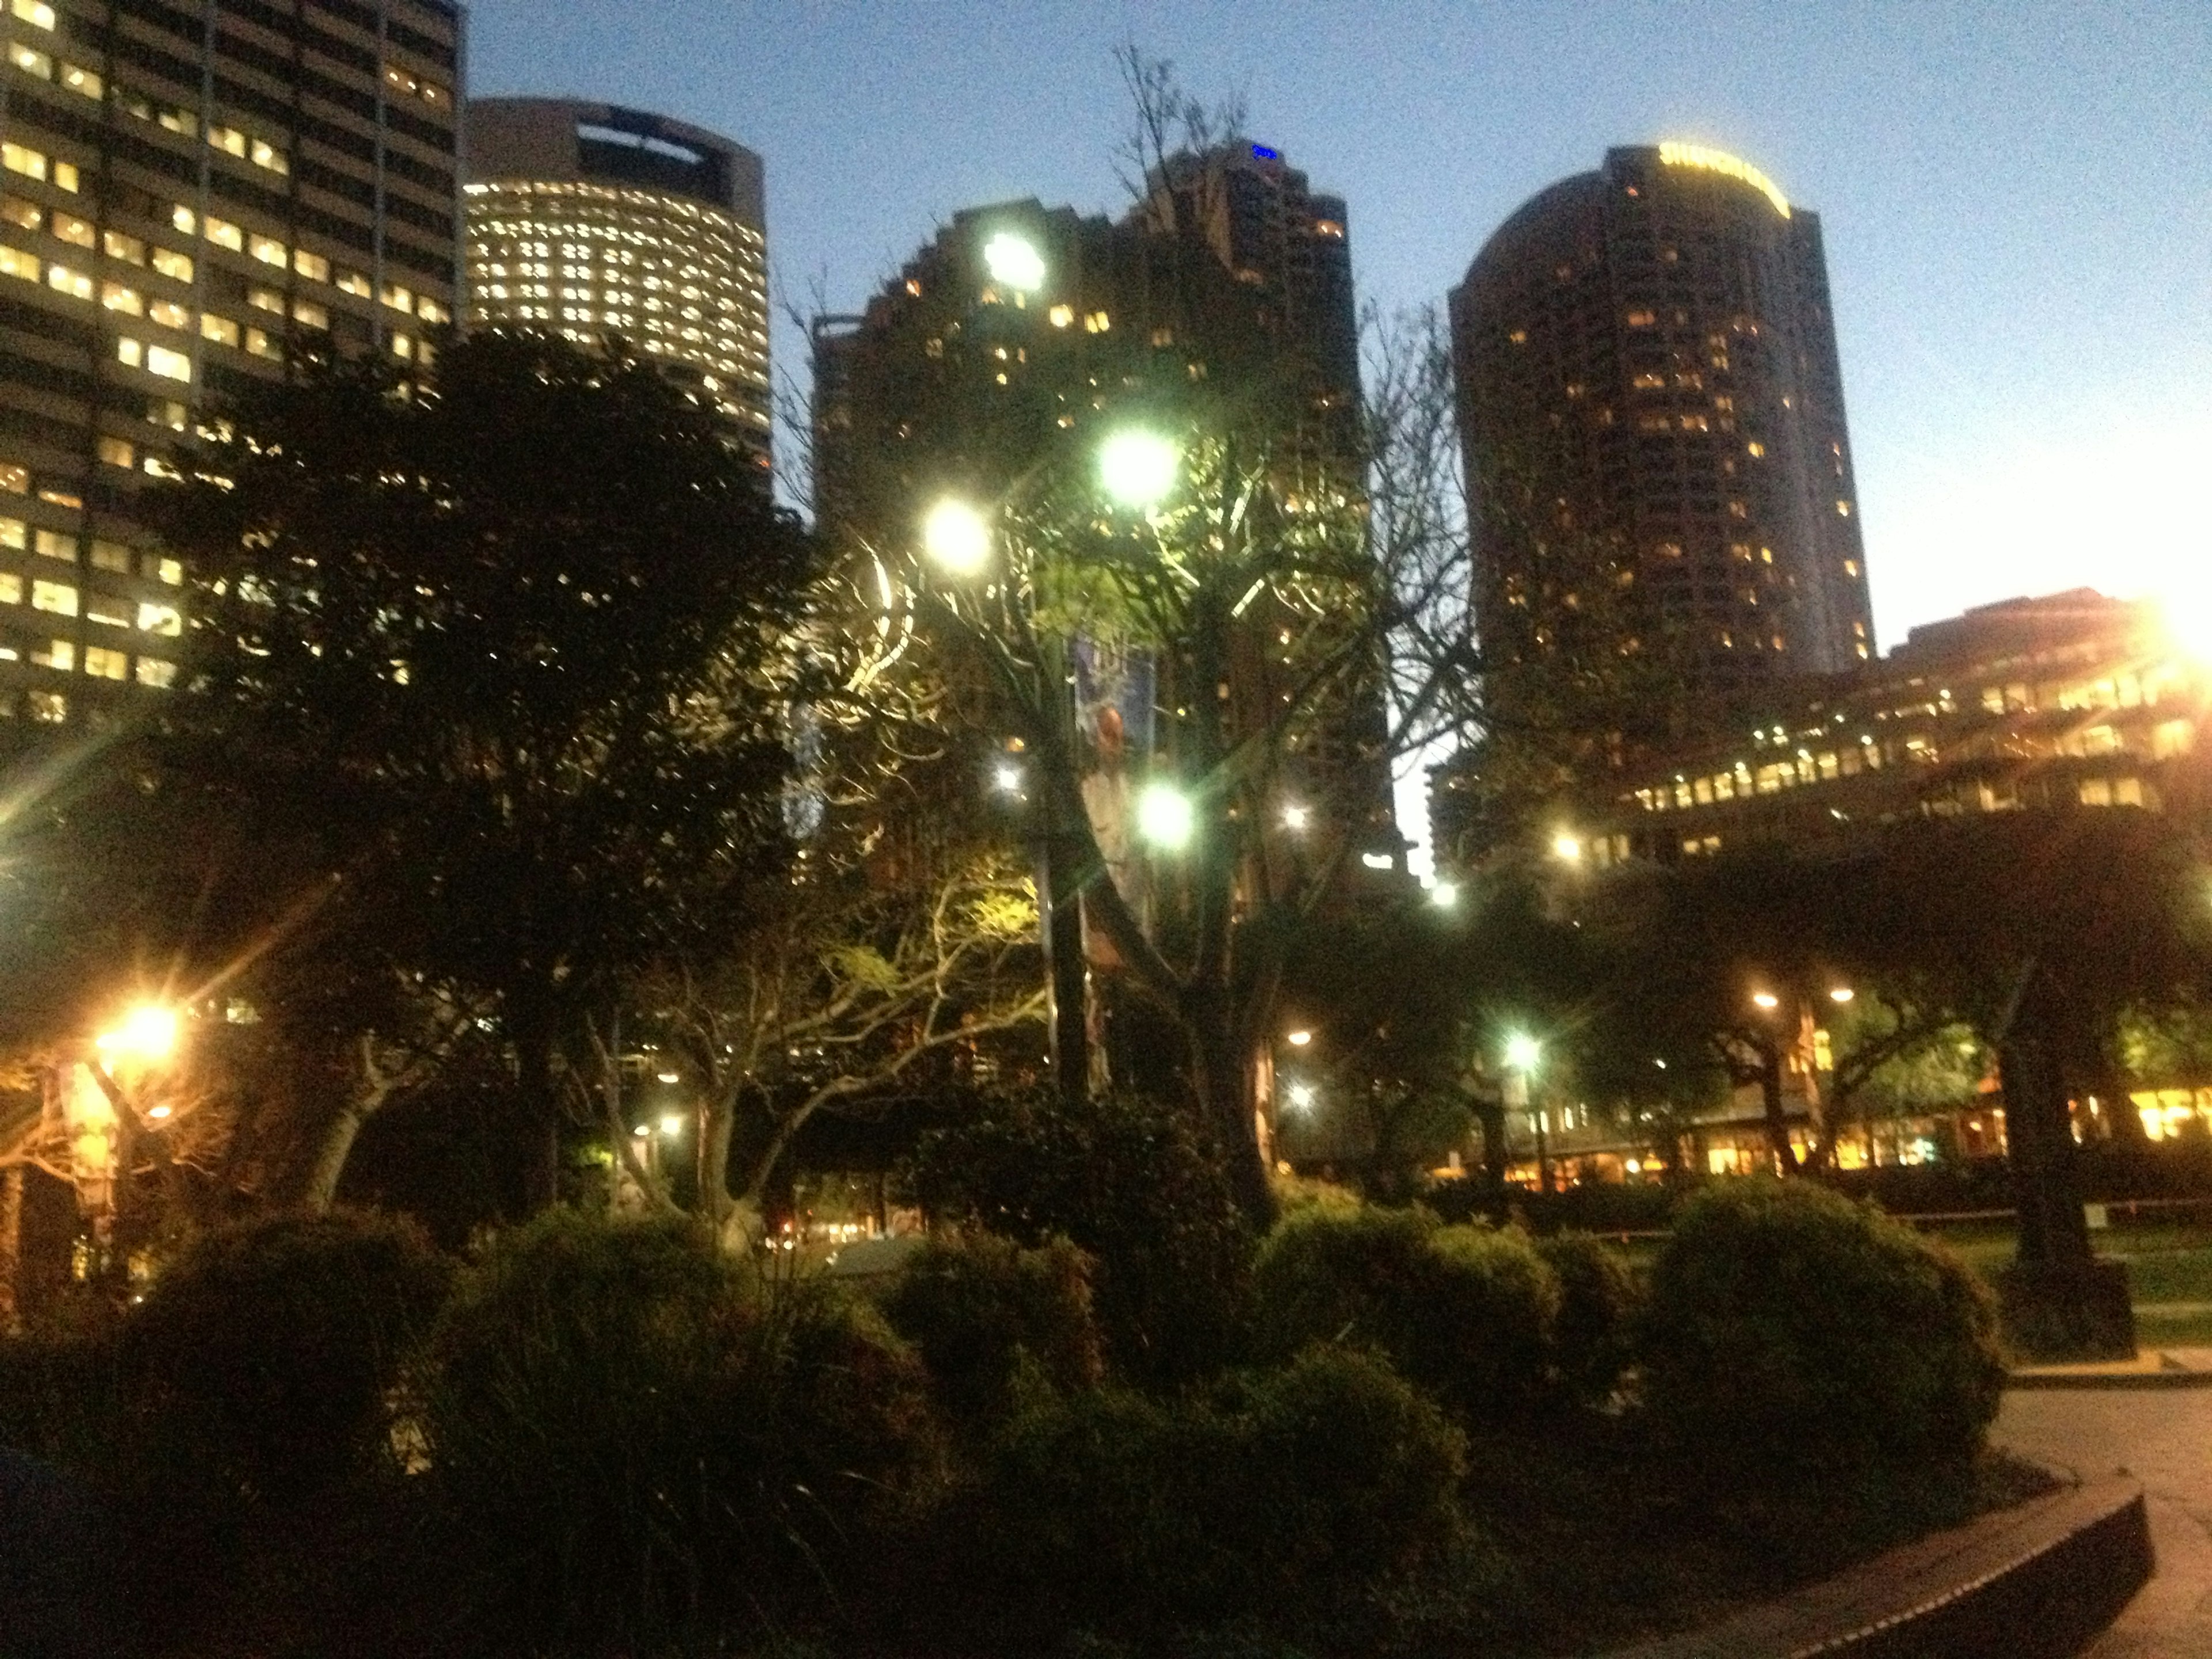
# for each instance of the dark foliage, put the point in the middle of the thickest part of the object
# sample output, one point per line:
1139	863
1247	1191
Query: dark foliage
1594	1333
1278	1492
1134	1184
636	1437
1787	1324
991	1320
1465	1312
265	1358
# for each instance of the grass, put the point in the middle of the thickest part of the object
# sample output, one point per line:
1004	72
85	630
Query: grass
2169	1272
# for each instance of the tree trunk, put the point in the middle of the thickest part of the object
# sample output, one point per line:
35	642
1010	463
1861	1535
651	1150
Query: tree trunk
11	1251
1777	1119
321	1188
1060	919
1221	1076
2039	1135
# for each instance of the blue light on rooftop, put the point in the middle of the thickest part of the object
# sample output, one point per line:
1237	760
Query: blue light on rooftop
1261	152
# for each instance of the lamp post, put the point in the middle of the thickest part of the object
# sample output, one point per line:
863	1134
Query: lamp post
1523	1053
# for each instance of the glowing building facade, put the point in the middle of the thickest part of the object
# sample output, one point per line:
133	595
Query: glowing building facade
598	222
1652	409
196	194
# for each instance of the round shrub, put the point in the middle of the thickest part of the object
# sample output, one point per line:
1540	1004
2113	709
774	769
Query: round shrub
267	1355
1787	1324
1303	1486
988	1316
636	1435
1135	1185
1593	1336
1465	1312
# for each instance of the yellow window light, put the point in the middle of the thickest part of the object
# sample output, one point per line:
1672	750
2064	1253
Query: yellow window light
1728	166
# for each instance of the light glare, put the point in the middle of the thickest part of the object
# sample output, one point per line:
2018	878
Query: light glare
1767	999
147	1033
955	538
1137	469
1014	262
1299	1039
1165	817
1522	1052
1445	896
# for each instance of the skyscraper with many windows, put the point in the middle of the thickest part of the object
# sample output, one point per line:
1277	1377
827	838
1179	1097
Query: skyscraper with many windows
1652	410
195	193
599	222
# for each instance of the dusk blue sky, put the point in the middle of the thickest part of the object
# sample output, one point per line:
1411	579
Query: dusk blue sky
2017	196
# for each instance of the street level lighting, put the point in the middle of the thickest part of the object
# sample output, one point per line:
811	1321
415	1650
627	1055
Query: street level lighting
1445	896
1766	1001
1523	1052
956	537
1137	469
1297	818
671	1125
1166	818
1014	262
1302	1096
1842	994
148	1033
1567	848
1299	1039
1009	780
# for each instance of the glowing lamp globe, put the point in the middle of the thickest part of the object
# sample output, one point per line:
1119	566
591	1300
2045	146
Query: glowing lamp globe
1165	817
1014	262
955	538
1137	470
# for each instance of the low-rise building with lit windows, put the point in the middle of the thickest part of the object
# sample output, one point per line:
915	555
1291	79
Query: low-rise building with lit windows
2073	702
194	194
597	223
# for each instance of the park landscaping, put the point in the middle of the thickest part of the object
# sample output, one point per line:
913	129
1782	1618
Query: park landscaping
1118	1428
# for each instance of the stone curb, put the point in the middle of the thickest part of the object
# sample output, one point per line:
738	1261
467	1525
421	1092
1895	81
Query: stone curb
2034	1582
2175	1379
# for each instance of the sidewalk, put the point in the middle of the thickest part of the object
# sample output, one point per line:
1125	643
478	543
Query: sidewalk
2163	1437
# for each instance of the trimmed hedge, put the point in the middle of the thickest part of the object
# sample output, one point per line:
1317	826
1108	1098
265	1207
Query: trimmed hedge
1787	1324
266	1357
1464	1312
1309	1485
989	1319
636	1437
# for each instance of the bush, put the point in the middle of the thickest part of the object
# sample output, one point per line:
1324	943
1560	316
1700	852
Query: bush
266	1356
635	1436
1133	1183
986	1316
1787	1324
1593	1336
1465	1312
58	1399
1283	1490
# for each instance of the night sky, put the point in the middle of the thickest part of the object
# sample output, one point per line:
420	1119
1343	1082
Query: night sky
2017	194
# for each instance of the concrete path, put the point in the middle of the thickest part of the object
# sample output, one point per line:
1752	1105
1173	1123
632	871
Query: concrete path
2163	1437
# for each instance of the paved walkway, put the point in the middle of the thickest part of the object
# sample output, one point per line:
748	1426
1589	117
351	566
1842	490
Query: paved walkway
2164	1438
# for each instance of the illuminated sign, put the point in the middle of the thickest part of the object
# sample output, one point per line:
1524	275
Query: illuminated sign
1720	161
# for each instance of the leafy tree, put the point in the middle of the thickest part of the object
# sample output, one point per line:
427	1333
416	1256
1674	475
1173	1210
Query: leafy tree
506	667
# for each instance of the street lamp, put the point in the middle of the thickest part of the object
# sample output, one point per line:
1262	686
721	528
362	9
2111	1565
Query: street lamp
1303	1096
1445	896
1765	1001
1166	818
1842	994
1299	1039
1137	469
1523	1053
1014	262
1008	780
957	538
1297	818
1567	847
147	1033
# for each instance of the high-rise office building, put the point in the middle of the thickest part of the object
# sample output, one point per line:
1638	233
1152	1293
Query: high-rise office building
196	193
1652	412
961	370
599	222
